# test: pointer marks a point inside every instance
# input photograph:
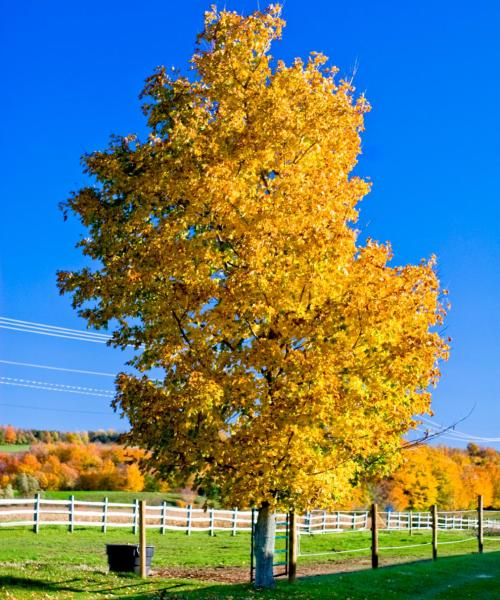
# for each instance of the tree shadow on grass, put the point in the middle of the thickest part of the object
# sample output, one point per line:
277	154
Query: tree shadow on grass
79	585
467	576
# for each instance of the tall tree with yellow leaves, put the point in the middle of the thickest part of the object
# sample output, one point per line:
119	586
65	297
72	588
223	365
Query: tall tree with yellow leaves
294	357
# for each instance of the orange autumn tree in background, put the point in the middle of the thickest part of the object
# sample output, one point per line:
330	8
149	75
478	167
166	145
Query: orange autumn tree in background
449	477
294	357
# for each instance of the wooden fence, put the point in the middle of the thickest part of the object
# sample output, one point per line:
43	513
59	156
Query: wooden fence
37	512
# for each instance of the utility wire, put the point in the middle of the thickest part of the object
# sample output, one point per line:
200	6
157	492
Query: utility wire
57	385
43	326
51	334
459	434
51	388
68	410
56	331
22	364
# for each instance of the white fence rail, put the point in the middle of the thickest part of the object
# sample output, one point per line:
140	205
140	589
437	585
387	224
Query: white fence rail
37	512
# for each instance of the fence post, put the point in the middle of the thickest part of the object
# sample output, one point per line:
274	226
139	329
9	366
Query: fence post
235	521
374	537
104	515
136	511
211	522
324	521
292	548
434	531
71	518
142	538
338	520
163	517
480	526
36	515
188	524
410	522
252	533
353	520
308	517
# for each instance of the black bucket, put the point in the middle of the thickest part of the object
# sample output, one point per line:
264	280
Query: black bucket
124	558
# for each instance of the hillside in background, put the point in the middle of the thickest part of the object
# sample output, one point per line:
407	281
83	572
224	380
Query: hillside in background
32	460
10	435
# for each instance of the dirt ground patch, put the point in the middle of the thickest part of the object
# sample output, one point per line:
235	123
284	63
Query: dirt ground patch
225	574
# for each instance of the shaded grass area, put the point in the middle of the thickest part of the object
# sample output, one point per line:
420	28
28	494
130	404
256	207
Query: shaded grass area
59	564
473	577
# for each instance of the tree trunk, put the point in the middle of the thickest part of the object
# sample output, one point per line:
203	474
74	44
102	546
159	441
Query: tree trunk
265	531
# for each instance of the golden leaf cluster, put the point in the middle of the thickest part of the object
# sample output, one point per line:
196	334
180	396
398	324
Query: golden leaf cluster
293	357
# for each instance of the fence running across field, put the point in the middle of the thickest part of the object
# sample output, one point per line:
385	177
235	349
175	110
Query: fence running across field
38	512
480	525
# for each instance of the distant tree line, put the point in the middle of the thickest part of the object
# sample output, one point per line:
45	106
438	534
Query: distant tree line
74	466
17	436
449	477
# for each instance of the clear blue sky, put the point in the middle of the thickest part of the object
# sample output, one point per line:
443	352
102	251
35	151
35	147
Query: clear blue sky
71	75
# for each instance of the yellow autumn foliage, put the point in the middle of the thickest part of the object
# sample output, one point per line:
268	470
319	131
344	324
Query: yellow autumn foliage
293	356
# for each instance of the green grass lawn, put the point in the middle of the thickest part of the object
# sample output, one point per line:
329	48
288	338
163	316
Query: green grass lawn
59	564
120	496
12	448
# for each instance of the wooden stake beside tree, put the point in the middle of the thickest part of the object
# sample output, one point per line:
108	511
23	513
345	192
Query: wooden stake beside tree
434	522
142	539
480	527
374	536
294	356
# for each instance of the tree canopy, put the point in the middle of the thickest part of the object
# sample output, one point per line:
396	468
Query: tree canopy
224	249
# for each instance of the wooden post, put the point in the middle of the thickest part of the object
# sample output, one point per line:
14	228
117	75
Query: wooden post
36	514
292	548
135	515
480	526
374	537
211	516
434	531
142	538
252	533
188	524
163	517
235	521
104	525
410	522
71	516
324	521
308	517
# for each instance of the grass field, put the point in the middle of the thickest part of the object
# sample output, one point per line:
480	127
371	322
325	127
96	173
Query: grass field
57	564
120	496
13	448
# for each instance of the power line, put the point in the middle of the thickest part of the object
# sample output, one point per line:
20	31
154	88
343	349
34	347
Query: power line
22	364
56	331
45	408
458	435
52	388
53	334
58	385
44	326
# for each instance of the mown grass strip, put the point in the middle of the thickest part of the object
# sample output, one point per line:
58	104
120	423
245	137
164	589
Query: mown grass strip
473	577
